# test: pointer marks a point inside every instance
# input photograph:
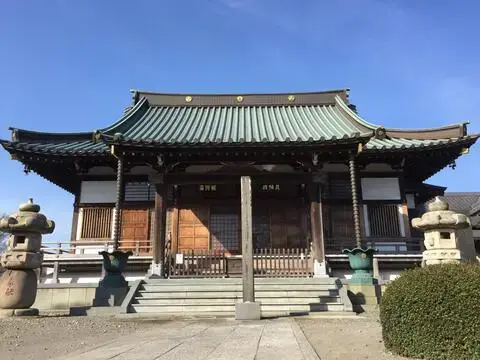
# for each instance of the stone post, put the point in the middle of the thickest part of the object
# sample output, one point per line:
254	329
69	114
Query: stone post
442	228
248	309
18	285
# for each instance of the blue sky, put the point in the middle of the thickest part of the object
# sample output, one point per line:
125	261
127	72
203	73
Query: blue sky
69	65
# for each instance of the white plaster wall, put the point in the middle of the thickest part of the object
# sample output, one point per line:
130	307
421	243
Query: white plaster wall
88	277
385	275
97	192
380	188
91	249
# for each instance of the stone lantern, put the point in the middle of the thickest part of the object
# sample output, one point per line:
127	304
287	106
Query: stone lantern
443	230
18	285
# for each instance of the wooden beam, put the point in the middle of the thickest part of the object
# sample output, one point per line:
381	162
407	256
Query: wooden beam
247	239
190	178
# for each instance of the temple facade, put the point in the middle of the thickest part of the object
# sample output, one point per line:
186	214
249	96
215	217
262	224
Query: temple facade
164	181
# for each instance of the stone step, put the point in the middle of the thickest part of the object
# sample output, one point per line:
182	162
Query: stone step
234	294
192	309
277	280
235	287
230	301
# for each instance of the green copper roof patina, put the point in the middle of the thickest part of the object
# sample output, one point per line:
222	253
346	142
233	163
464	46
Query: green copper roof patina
182	120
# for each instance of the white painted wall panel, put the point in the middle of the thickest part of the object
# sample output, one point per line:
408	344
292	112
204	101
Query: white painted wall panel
380	188
97	192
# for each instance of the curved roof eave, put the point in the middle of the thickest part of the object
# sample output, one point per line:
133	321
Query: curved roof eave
22	134
354	118
443	132
125	120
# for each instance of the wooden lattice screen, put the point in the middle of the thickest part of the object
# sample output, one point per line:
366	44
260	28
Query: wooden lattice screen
383	220
96	223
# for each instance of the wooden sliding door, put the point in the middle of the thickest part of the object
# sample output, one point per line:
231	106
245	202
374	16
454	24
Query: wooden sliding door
193	232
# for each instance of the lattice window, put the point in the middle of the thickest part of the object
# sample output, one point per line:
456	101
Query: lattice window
139	191
224	230
383	220
96	223
261	231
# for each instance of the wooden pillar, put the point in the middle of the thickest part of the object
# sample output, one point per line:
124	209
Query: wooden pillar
73	233
316	226
356	214
118	200
249	309
247	239
159	226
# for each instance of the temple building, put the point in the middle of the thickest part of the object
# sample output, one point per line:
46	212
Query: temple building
164	181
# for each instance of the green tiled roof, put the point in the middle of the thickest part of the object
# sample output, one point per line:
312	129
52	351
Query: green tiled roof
403	144
194	125
87	147
166	120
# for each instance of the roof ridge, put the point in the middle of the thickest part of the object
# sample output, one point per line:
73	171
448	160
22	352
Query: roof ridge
22	134
149	92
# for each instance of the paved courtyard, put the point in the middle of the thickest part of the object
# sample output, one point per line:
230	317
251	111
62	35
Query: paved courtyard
131	337
279	339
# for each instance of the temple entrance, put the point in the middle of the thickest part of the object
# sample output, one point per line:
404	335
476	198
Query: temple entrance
216	227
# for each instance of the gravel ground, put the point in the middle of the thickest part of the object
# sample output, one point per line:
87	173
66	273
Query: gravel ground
347	339
48	337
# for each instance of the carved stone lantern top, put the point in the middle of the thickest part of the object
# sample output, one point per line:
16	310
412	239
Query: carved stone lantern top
27	219
439	216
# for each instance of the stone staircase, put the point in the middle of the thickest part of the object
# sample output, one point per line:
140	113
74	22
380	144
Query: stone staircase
278	296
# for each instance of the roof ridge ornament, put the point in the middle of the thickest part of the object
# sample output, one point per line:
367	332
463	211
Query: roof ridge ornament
380	133
97	136
14	135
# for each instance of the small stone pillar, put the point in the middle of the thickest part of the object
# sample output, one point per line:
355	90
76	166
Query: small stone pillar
442	228
18	285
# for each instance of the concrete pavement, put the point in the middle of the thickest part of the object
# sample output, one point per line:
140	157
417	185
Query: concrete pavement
208	340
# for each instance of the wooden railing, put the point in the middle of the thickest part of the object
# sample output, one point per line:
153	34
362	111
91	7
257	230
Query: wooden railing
138	247
266	263
282	263
207	263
